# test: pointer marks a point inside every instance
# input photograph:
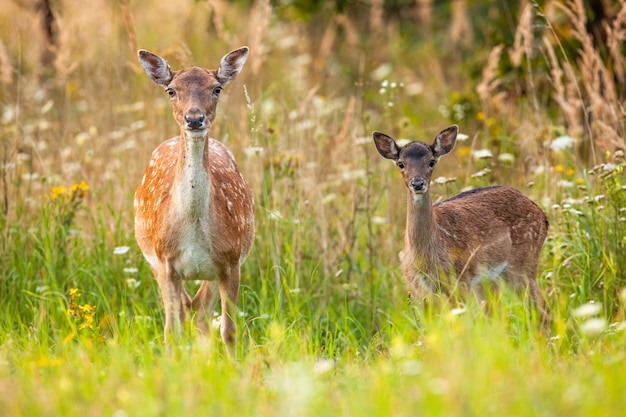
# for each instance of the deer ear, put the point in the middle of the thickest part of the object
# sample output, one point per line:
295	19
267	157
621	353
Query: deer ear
231	65
444	141
156	67
386	146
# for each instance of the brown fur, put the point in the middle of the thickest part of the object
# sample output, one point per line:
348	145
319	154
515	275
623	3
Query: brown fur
194	212
476	235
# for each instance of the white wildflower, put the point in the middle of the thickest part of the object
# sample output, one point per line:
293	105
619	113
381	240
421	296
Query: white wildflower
587	310
562	143
121	250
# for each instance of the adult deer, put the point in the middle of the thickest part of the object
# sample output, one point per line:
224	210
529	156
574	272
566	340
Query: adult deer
480	234
194	212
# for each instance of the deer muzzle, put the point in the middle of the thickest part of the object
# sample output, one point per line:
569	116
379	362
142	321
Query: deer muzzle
195	119
418	185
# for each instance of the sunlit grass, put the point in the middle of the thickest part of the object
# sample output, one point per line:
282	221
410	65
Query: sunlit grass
325	326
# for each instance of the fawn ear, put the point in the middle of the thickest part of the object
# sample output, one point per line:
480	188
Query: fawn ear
156	67
231	65
386	146
444	141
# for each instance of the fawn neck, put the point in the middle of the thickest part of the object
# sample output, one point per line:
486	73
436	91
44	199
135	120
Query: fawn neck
421	228
192	183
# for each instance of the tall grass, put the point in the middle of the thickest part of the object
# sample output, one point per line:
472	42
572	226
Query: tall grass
325	324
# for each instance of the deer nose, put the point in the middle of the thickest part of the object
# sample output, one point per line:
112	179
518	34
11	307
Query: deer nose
194	119
417	185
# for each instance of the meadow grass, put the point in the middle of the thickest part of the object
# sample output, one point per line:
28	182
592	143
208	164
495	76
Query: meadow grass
325	325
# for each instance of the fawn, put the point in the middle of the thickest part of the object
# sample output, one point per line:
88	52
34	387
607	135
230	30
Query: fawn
479	234
194	212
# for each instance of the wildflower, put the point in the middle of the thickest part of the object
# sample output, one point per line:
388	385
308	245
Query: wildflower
464	151
379	220
570	172
562	143
480	116
481	173
132	283
120	250
381	72
565	184
323	366
82	186
57	192
253	151
82	138
414	89
593	327
482	154
74	293
558	168
586	310
457	311
411	367
507	158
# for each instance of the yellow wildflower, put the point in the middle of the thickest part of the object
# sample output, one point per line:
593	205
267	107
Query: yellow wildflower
57	191
82	186
559	168
74	292
570	172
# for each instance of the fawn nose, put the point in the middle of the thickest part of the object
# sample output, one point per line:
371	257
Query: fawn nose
418	185
194	119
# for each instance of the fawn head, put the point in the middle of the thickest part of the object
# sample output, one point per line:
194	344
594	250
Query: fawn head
416	160
194	91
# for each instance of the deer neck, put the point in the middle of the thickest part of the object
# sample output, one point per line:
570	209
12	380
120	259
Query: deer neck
421	231
192	184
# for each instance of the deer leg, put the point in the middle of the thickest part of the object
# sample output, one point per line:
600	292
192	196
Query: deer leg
185	302
229	289
171	287
540	304
204	304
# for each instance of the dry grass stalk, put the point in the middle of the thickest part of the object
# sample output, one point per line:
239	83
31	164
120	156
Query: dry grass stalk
523	41
6	69
424	10
49	28
261	20
349	28
64	64
611	140
340	140
129	25
490	82
567	96
616	35
597	82
216	7
376	20
461	29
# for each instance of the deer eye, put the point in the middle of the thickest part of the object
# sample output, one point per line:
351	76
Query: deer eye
217	90
432	163
400	165
170	91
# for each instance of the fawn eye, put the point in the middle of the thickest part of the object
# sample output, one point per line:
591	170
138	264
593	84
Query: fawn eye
171	92
432	163
400	165
217	90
